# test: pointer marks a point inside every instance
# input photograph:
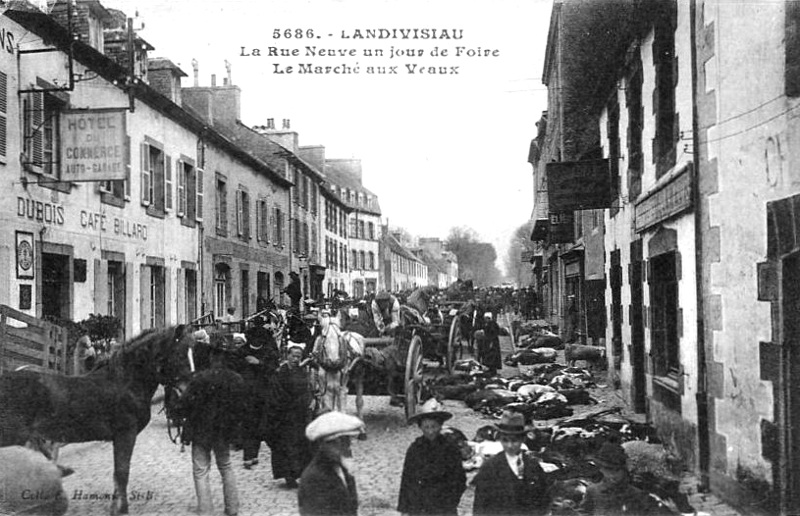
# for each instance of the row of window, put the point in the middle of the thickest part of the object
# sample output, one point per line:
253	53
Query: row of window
358	229
335	255
335	219
270	224
405	266
336	258
305	191
352	197
305	240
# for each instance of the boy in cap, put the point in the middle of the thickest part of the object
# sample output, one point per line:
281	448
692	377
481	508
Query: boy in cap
511	482
433	477
327	487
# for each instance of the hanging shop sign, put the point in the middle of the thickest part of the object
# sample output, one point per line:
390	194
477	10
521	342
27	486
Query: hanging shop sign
25	256
562	227
674	197
579	185
93	145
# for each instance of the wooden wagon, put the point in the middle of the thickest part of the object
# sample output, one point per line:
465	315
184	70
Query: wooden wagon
417	343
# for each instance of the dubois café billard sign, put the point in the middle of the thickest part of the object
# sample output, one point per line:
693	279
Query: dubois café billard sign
93	145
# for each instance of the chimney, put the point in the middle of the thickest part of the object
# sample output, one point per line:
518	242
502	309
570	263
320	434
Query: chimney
228	80
213	80
196	70
270	123
286	123
165	78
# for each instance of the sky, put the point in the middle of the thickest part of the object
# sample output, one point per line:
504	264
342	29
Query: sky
439	150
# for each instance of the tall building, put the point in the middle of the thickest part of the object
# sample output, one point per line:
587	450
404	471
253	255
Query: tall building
345	179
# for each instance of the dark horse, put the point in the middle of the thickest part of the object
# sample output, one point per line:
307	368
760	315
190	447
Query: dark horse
110	403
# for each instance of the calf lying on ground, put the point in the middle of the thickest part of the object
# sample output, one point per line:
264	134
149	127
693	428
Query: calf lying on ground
593	355
30	483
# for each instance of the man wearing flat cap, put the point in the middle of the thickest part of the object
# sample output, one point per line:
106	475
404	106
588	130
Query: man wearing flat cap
511	482
433	477
327	487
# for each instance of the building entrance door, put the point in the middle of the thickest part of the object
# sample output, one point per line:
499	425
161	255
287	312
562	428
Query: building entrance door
55	294
637	328
791	309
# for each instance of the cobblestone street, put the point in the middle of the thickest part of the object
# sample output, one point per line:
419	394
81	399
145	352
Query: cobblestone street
161	478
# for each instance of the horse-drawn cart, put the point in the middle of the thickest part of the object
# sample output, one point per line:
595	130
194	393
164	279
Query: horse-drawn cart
416	345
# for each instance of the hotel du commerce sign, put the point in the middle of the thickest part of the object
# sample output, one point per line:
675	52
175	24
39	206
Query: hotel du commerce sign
93	145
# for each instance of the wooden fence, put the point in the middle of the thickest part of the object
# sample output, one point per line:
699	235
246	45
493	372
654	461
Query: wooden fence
28	341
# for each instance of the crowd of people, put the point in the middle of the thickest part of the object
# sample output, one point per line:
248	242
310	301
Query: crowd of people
250	393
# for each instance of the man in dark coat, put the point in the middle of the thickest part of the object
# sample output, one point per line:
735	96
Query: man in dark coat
211	410
492	358
294	290
255	362
433	478
259	336
327	487
286	417
511	482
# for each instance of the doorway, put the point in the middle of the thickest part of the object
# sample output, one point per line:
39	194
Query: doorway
55	292
791	307
636	279
116	293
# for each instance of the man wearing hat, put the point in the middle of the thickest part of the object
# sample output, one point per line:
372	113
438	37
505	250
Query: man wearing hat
256	362
294	290
511	482
327	487
433	477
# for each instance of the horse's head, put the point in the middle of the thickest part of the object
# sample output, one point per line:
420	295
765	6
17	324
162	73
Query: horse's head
176	364
328	318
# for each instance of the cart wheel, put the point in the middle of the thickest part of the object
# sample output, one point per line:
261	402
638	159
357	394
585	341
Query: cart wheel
413	377
454	344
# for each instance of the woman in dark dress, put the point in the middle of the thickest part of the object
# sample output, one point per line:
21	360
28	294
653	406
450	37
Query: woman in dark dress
492	358
433	476
288	413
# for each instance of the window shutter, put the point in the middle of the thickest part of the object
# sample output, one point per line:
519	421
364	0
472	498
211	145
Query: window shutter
199	175
180	176
144	153
239	212
223	203
266	221
127	186
36	130
245	214
3	113
168	186
282	226
275	226
259	219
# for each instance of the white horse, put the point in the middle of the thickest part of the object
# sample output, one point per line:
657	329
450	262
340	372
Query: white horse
338	354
